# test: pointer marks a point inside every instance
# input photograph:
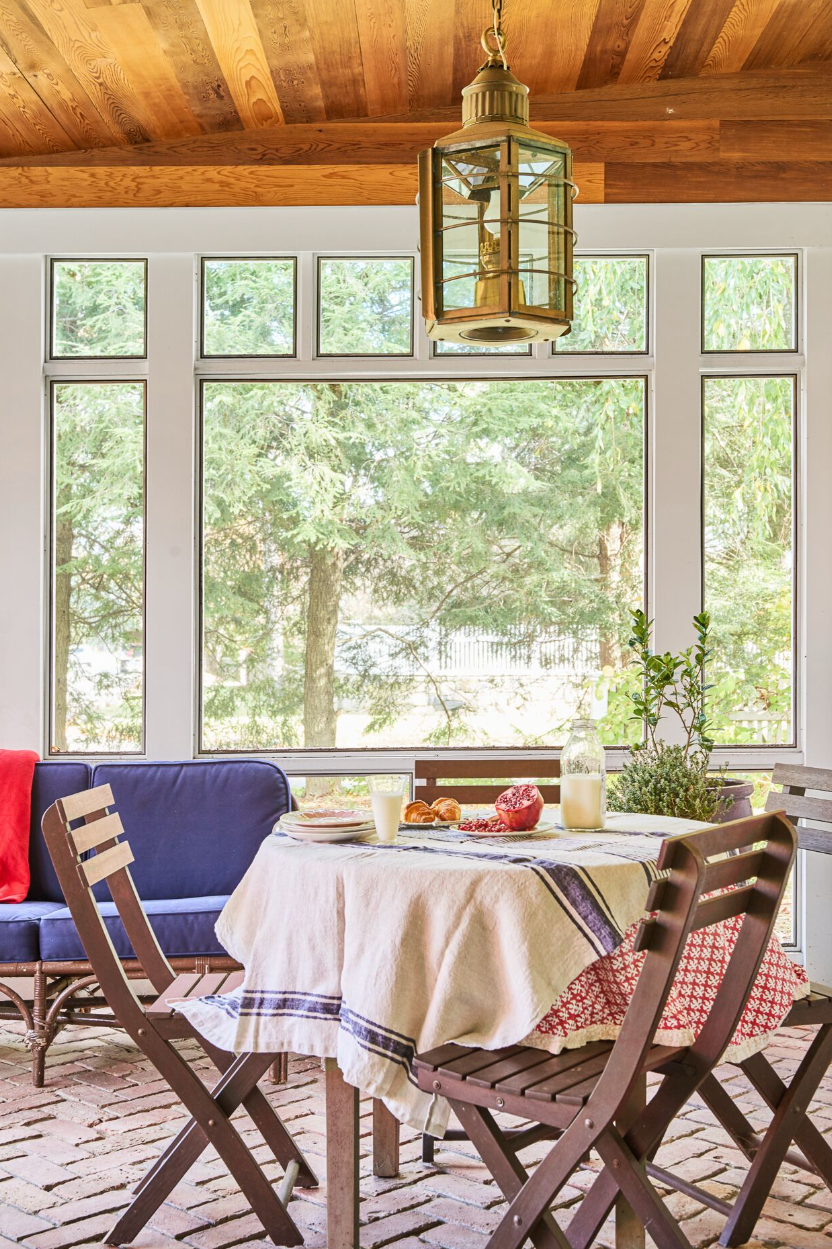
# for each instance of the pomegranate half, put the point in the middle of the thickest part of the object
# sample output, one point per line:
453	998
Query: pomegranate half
520	807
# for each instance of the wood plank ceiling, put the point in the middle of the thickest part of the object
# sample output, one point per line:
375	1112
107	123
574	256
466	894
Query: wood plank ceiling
182	102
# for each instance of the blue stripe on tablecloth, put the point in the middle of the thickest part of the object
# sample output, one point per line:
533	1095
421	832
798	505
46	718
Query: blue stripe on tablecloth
570	885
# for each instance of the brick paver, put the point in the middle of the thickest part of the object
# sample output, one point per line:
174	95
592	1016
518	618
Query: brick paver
69	1151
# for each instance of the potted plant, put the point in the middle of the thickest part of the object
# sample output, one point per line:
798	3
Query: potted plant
673	779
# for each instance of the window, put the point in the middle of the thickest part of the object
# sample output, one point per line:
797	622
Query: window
365	306
248	307
749	303
610	306
748	460
97	567
99	309
418	563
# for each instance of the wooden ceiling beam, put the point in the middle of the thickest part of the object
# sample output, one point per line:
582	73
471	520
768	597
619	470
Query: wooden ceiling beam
338	143
801	92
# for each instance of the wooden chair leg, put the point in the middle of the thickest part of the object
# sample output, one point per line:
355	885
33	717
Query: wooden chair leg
342	1160
646	1204
790	1105
385	1142
213	1124
428	1149
629	1229
279	1070
508	1171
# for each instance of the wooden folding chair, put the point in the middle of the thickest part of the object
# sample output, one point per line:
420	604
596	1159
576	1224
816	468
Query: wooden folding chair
585	1096
154	1027
790	1124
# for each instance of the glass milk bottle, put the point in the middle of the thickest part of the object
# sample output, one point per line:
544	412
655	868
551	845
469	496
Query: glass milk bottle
583	779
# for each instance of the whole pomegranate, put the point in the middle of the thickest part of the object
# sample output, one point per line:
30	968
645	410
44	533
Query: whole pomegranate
519	807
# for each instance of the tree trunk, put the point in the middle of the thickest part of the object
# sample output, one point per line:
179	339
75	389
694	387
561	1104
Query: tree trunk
319	714
610	542
60	648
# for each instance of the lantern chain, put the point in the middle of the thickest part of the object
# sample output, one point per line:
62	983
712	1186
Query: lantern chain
493	37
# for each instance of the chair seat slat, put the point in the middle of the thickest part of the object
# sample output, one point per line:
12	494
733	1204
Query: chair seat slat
75	806
555	1065
472	1061
88	836
106	862
432	1059
234	981
590	1070
178	988
211	983
487	1077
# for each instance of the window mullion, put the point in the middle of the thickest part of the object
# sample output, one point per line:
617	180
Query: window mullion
170	480
675	578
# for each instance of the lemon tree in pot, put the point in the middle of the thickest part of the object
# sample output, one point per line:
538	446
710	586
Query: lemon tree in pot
674	779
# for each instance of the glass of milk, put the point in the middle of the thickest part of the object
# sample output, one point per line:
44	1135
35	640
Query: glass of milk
583	779
387	795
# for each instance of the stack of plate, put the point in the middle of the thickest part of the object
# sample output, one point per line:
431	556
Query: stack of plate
324	826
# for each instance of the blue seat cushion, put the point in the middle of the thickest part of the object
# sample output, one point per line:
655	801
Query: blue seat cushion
193	827
52	780
19	923
183	926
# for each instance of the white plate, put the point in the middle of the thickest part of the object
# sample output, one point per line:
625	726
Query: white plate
321	837
435	824
331	819
543	826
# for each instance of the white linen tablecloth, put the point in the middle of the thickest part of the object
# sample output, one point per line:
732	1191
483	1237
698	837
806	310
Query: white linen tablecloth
370	953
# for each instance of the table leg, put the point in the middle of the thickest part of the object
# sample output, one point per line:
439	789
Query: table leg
342	1160
629	1231
385	1142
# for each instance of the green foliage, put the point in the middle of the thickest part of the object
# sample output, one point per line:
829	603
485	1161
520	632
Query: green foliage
665	780
748	505
98	631
673	683
610	305
99	308
509	508
249	308
749	303
662	779
365	307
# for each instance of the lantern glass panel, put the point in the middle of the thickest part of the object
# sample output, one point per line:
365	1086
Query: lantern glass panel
470	227
541	196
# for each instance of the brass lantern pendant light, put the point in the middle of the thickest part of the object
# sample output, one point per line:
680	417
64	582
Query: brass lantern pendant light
495	208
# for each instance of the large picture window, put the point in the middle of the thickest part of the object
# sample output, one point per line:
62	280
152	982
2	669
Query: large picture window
97	567
408	563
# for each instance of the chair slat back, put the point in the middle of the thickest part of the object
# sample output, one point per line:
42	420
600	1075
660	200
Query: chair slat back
428	773
796	780
682	908
77	874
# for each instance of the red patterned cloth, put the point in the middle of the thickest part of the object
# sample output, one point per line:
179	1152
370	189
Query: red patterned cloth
593	1006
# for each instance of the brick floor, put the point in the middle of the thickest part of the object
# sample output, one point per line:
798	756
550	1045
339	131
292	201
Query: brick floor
69	1152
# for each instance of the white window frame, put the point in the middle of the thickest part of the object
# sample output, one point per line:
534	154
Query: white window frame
675	237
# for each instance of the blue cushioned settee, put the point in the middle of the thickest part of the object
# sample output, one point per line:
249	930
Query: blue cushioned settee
194	828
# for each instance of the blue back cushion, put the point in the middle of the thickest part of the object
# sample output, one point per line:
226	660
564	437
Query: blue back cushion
194	827
52	780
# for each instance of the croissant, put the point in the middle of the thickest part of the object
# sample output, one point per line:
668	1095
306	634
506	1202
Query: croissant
447	809
423	817
414	809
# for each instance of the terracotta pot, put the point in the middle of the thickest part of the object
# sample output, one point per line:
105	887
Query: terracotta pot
741	792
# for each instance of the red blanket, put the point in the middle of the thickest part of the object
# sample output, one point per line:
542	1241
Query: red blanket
17	768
